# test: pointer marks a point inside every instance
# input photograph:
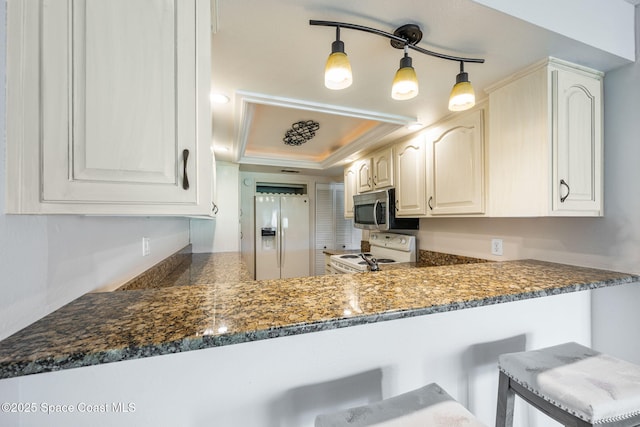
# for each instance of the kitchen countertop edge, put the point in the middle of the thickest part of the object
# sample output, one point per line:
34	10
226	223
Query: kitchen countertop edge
67	361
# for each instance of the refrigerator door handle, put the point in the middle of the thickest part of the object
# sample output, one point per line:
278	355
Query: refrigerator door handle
278	250
282	247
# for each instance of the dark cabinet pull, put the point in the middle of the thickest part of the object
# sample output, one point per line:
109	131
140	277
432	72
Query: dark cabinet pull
214	208
429	203
185	179
563	198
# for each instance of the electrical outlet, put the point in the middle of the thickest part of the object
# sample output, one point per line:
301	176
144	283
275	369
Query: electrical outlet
496	247
146	247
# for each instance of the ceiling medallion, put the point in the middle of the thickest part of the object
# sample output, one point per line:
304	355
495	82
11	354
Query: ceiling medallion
301	132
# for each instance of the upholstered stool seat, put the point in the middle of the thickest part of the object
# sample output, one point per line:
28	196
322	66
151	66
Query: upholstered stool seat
427	406
571	383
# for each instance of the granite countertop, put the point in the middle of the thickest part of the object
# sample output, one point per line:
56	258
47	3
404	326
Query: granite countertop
108	327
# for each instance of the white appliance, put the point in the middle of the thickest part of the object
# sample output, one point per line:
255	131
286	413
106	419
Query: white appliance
282	236
386	248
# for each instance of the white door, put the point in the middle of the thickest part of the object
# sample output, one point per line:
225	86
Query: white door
411	178
129	80
456	162
577	178
382	163
294	236
350	189
267	234
364	176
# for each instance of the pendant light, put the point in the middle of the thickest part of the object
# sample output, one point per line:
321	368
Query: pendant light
462	95
337	72
405	83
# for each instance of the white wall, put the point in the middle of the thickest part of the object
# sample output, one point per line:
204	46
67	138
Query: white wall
221	234
47	261
576	19
612	242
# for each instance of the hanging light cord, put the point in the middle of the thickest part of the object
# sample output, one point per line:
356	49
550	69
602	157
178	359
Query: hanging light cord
339	25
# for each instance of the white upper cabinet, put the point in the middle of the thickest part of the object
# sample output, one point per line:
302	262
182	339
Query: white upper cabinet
577	151
382	164
545	142
364	175
375	171
350	188
455	161
411	177
110	99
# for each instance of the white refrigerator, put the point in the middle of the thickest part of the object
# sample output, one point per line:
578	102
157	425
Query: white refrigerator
282	236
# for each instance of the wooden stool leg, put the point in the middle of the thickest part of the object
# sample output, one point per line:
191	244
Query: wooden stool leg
506	397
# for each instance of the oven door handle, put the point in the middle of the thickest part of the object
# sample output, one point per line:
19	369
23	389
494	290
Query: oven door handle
375	214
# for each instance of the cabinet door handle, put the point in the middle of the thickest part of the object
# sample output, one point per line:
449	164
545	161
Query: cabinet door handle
563	198
397	204
185	178
429	203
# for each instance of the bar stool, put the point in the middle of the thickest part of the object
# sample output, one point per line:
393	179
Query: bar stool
572	384
427	406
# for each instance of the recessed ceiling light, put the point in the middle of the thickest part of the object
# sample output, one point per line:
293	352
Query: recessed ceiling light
219	98
415	126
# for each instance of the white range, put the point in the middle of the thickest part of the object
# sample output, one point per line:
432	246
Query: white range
386	248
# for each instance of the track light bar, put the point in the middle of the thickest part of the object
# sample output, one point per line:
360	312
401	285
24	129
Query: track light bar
405	84
400	41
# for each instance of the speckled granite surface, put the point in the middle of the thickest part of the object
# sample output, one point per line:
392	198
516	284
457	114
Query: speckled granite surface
155	276
107	327
432	259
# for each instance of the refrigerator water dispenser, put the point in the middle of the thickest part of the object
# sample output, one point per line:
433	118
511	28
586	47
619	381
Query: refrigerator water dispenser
268	238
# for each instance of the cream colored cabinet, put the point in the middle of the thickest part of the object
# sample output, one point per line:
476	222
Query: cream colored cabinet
350	188
455	165
545	142
411	177
364	175
382	165
96	127
375	171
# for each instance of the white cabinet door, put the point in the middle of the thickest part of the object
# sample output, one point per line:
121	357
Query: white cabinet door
410	162
456	166
350	189
577	177
363	169
123	105
382	164
545	142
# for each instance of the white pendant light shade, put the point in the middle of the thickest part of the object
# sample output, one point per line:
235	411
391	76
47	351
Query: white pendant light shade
462	95
337	72
405	83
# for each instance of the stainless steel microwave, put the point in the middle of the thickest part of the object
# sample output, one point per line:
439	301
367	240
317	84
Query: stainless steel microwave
376	210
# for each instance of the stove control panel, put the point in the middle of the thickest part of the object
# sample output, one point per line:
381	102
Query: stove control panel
400	242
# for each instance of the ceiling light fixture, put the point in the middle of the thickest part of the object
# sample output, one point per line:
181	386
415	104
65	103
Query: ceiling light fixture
405	84
337	72
462	96
219	98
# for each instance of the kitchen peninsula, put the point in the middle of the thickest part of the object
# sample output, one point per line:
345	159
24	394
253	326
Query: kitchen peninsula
381	332
108	327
